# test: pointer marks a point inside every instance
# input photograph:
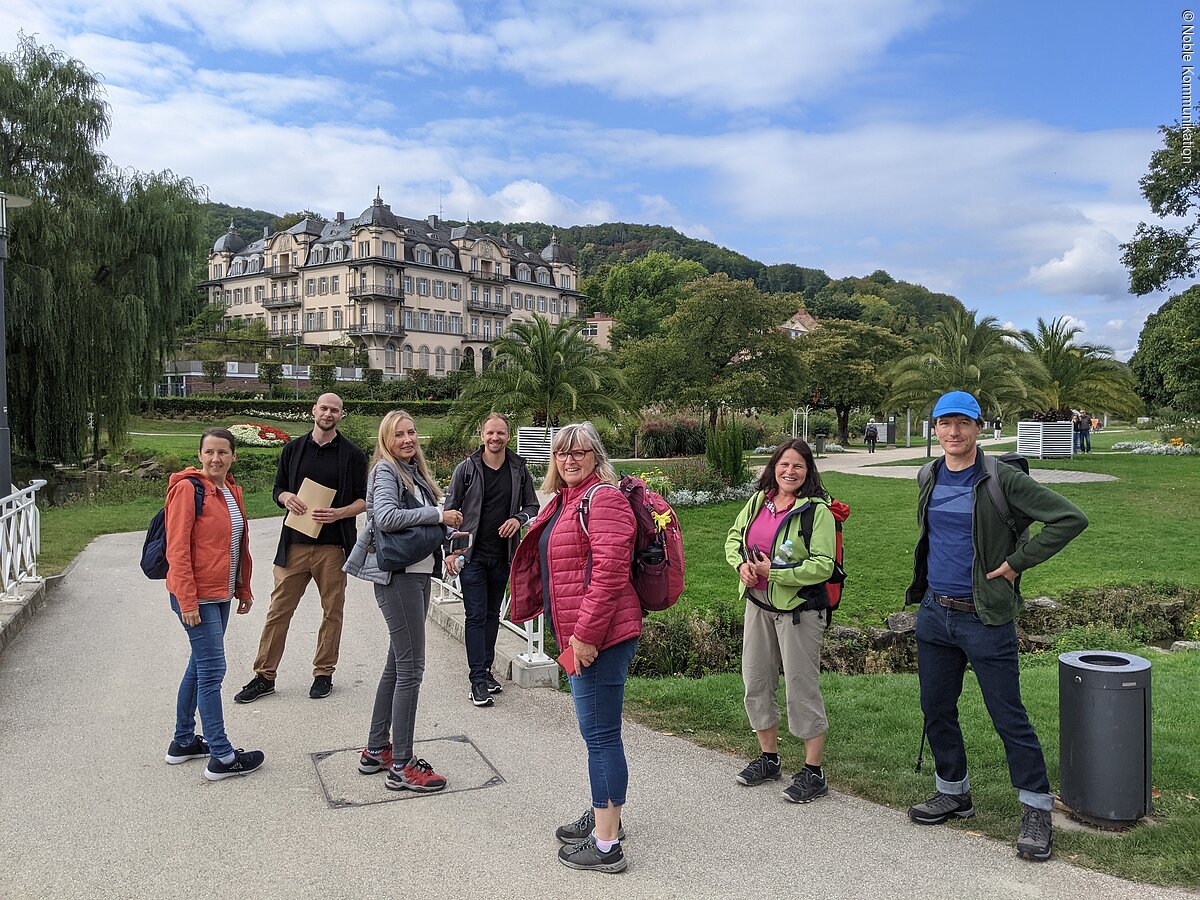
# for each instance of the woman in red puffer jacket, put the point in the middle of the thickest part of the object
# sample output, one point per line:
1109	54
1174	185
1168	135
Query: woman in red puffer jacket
581	581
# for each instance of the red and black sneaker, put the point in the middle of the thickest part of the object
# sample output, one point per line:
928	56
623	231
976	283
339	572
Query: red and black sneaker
370	763
418	775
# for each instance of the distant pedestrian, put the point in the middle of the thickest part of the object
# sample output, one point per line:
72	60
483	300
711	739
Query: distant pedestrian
871	435
209	558
1085	433
997	428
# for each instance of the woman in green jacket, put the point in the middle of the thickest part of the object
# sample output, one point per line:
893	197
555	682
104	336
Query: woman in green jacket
783	582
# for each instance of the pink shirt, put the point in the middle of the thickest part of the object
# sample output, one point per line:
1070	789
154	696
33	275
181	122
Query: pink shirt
762	533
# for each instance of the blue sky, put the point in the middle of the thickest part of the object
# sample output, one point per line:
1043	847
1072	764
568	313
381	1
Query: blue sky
988	150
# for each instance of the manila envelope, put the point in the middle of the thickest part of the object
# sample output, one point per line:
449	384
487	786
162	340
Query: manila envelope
313	496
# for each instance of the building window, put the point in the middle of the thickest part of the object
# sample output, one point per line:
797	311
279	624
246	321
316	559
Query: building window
516	300
389	319
407	358
439	288
422	255
445	259
335	285
389	249
454	288
408	284
389	282
522	272
474	326
564	281
295	321
487	296
423	318
543	277
553	304
541	303
237	296
487	329
529	301
337	320
474	264
474	293
336	250
362	317
566	307
499	327
322	285
439	358
258	293
216	270
389	357
423	357
408	320
439	322
228	298
423	287
455	359
364	249
274	323
310	286
456	324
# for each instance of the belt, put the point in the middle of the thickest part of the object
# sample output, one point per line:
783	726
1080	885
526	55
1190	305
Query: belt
962	604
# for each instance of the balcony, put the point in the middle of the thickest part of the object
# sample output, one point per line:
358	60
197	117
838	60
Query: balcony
384	328
488	276
281	270
377	291
287	301
502	309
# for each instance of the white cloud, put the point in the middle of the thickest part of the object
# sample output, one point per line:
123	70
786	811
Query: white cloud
1092	266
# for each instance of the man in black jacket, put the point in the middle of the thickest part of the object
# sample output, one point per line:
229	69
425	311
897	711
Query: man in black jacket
494	490
331	460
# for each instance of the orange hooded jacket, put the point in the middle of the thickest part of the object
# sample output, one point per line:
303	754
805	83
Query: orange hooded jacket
198	548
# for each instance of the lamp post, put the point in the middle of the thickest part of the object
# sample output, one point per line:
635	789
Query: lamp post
15	202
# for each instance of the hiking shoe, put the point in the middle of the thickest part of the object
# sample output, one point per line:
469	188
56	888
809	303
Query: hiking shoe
321	687
492	685
244	762
1036	838
180	753
806	787
586	855
582	827
759	771
258	687
416	776
940	807
480	695
370	763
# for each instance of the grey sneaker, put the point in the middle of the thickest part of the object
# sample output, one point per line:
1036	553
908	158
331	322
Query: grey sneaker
586	855
1036	840
940	807
806	787
762	769
579	830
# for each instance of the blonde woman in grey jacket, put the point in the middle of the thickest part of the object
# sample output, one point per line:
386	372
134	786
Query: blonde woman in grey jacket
398	468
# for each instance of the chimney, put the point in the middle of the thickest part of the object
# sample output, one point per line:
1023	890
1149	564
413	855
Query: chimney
266	231
521	240
340	218
432	221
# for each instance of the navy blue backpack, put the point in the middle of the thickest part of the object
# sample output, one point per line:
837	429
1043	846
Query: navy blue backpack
154	548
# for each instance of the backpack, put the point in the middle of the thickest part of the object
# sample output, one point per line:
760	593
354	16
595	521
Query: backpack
872	433
833	587
995	491
658	564
154	548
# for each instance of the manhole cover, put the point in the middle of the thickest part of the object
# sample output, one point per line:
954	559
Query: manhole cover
456	757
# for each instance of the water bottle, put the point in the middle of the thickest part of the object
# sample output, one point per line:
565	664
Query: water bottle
654	555
784	556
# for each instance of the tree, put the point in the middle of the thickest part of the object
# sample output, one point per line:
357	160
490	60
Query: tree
959	353
642	293
101	273
214	373
1166	363
1157	255
373	380
846	361
1079	375
544	372
721	349
270	373
287	220
323	376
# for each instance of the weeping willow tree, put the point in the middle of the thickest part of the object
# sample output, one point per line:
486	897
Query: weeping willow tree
101	269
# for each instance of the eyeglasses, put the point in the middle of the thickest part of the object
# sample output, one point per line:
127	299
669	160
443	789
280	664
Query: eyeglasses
577	455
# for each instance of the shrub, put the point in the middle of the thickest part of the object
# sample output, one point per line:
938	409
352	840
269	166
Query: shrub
360	431
298	410
753	434
660	437
724	453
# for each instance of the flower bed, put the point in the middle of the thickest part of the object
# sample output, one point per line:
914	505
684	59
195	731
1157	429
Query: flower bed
259	435
1174	448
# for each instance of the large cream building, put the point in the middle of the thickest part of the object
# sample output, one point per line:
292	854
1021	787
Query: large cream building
414	293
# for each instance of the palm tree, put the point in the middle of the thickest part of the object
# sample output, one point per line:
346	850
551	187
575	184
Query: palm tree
544	372
1080	376
958	353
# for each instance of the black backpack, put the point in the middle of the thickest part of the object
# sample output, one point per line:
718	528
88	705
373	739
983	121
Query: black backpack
995	491
154	548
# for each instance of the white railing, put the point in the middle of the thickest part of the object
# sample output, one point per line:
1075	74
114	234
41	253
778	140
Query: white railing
535	645
20	537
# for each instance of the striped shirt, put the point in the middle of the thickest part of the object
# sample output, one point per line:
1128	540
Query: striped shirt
238	523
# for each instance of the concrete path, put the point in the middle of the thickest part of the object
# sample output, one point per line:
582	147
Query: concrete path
89	809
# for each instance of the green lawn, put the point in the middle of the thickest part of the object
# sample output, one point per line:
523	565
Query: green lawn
875	726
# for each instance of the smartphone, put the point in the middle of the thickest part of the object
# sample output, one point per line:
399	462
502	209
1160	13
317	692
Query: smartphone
566	659
460	543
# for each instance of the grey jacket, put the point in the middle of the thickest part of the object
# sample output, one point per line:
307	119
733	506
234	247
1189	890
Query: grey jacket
386	512
466	494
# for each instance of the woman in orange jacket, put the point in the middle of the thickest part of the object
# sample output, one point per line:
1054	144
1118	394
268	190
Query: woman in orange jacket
209	559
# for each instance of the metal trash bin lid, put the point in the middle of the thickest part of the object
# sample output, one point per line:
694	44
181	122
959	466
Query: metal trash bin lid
1106	669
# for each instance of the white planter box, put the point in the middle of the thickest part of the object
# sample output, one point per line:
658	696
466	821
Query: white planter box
1046	440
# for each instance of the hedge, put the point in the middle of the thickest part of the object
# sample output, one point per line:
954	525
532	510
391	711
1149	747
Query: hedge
223	406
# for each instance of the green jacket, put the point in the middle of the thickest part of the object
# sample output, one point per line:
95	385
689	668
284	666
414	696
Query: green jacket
996	600
808	568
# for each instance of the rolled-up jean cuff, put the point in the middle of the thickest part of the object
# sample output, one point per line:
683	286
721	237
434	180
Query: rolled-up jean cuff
1037	801
956	788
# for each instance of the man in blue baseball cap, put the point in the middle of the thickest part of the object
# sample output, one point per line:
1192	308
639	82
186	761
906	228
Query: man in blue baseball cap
972	547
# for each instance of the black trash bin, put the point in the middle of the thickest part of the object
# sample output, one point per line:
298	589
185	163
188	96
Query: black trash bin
820	449
1104	734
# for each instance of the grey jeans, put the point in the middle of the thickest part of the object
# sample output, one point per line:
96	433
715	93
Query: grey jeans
404	604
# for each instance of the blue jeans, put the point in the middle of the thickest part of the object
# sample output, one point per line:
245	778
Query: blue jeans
946	641
483	581
599	693
201	684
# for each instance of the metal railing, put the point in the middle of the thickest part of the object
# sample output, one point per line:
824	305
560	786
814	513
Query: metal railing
443	592
20	537
394	292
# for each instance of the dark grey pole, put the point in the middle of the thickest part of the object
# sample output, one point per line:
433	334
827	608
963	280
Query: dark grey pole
5	443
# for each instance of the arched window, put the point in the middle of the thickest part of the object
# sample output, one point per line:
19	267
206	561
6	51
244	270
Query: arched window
422	255
439	359
522	272
543	276
389	357
408	361
445	259
455	359
423	358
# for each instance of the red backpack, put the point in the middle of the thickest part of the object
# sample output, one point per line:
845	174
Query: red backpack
657	571
833	587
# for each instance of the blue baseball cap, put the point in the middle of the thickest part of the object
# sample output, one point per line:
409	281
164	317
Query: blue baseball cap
957	403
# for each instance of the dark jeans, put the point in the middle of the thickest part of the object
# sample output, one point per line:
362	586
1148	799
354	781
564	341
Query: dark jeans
946	641
404	603
200	687
483	581
599	694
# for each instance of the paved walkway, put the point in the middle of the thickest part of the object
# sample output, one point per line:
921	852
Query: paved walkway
89	809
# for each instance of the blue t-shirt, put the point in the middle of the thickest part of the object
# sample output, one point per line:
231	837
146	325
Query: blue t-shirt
948	527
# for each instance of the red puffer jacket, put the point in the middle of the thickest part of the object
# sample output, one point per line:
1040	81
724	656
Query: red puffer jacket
603	611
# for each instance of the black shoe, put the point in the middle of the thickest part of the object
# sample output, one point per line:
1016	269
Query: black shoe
492	685
321	687
583	826
244	762
258	687
180	753
806	787
1036	839
480	695
759	771
940	807
586	855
